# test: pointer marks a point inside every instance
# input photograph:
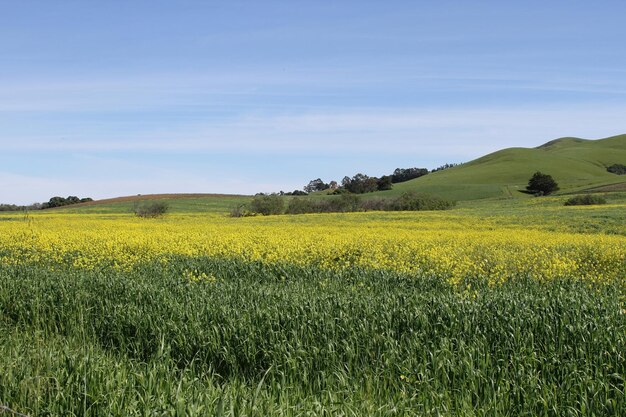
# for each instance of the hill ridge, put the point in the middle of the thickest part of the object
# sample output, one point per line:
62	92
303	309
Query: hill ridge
575	163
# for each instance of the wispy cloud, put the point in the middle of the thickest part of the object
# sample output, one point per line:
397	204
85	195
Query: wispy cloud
214	89
461	132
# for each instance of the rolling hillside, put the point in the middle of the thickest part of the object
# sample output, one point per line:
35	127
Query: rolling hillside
576	164
180	203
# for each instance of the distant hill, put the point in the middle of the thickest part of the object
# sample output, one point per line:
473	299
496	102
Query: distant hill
182	203
576	164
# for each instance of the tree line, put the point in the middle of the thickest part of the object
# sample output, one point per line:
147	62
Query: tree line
361	183
53	202
272	204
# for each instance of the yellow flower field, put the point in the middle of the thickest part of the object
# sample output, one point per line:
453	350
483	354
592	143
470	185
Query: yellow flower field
417	243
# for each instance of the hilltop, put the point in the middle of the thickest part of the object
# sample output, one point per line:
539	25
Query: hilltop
576	164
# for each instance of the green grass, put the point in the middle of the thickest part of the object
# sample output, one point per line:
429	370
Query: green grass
180	203
284	340
281	340
575	164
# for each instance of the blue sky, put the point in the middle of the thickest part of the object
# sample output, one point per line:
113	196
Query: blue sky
114	98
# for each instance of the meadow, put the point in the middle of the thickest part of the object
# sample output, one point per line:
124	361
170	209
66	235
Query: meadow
501	307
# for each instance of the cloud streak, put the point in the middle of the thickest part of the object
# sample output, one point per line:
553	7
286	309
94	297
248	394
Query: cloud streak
453	131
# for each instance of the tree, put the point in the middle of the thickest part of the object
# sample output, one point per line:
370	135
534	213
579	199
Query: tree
445	166
360	184
316	185
56	202
542	184
405	174
384	183
60	201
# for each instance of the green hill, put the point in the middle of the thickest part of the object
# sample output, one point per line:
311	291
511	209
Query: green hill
576	164
177	203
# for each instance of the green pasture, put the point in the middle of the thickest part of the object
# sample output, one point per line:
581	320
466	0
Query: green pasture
204	204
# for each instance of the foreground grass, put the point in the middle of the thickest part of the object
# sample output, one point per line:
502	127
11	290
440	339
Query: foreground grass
247	338
495	308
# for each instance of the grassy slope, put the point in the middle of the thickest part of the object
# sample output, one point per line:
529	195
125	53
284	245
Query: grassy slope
178	203
576	164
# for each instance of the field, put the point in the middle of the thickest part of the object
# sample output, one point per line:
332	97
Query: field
501	307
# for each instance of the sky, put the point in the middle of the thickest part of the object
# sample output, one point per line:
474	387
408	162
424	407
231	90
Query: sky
110	98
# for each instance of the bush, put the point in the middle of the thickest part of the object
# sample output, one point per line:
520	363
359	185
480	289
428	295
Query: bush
240	211
585	200
618	169
344	203
151	210
376	204
267	204
297	192
411	201
303	205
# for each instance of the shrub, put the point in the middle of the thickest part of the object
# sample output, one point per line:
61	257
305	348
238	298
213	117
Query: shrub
303	205
267	204
344	203
411	201
297	192
618	169
585	200
151	209
240	211
376	204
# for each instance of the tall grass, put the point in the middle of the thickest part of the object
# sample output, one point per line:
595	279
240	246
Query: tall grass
204	336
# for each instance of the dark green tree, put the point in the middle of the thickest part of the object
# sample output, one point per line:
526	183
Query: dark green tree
406	174
542	184
360	184
56	202
384	183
